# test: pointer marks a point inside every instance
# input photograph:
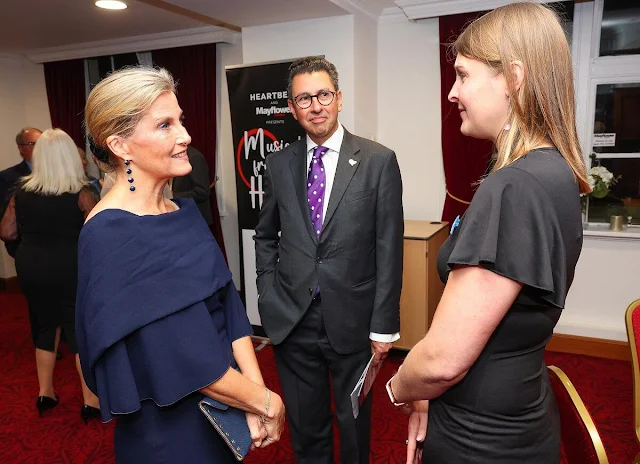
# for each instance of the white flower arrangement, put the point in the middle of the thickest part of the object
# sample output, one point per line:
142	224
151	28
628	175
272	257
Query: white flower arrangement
601	180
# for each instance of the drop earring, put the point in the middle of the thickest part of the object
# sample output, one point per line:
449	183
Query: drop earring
507	126
128	171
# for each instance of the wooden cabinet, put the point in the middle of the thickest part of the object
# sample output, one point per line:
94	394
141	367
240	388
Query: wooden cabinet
421	286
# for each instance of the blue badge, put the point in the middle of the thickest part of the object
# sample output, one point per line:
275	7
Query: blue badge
455	224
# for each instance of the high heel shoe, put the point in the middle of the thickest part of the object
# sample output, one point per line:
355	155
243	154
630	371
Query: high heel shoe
45	403
89	412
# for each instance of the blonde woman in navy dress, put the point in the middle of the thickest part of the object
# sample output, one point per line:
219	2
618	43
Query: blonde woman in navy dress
479	374
159	321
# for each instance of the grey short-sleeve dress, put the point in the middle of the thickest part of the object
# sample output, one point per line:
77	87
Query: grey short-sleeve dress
524	223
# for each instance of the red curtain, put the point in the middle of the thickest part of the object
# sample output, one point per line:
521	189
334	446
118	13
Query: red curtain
194	68
465	159
66	95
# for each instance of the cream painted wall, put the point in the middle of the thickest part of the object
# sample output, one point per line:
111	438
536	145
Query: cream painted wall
409	111
227	55
24	103
35	96
365	61
12	110
606	282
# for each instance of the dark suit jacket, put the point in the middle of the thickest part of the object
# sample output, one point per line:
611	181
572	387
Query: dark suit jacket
8	179
195	184
358	259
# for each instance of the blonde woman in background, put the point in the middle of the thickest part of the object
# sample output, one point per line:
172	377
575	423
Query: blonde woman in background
479	375
48	210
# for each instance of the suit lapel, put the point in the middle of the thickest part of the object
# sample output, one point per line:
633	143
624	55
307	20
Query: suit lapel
348	163
298	165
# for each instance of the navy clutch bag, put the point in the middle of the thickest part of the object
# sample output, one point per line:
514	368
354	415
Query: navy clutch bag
230	423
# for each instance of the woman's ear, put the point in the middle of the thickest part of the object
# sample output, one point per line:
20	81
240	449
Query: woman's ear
118	146
517	71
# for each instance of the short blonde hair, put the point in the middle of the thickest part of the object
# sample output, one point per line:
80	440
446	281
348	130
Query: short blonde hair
116	105
57	168
543	108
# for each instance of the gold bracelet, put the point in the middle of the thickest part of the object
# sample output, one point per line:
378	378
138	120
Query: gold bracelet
268	405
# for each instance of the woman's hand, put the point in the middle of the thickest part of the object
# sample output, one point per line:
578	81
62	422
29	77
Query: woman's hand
258	432
418	418
274	420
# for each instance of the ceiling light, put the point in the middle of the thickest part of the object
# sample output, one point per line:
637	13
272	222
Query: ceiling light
111	4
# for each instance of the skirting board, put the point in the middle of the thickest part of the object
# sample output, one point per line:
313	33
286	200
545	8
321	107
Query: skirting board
9	284
598	347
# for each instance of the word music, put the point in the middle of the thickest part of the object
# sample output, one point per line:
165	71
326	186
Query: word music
256	144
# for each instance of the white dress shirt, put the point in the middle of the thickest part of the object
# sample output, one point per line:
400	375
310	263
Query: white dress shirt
330	163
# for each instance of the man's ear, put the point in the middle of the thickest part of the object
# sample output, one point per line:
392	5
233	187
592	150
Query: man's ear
292	108
118	146
339	99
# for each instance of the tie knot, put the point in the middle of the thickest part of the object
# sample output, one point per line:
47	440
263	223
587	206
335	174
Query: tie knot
319	151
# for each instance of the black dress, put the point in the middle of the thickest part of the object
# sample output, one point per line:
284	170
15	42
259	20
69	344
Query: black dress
157	313
47	262
523	223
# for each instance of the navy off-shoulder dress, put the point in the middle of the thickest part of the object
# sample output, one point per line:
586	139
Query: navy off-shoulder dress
156	314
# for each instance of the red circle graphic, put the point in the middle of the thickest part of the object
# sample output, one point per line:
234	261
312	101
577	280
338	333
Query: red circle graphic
239	151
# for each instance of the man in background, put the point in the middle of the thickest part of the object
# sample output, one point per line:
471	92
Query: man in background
94	184
25	140
196	184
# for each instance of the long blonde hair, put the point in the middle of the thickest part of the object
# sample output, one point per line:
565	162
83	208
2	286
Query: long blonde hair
57	167
543	108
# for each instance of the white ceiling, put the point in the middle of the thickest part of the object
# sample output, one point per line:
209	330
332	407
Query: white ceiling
37	24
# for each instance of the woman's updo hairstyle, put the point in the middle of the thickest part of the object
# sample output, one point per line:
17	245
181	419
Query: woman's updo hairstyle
116	105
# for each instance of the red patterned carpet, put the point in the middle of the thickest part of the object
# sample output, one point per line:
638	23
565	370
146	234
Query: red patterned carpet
61	437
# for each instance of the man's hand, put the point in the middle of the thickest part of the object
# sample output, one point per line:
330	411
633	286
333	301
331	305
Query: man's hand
380	350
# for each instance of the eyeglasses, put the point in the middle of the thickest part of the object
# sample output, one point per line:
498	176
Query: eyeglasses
28	144
324	97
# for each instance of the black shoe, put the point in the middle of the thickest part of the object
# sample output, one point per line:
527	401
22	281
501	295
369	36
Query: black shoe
45	403
89	412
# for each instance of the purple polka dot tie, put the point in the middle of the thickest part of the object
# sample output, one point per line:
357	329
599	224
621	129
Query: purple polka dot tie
316	183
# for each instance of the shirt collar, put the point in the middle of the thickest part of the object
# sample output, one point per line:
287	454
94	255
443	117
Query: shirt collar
332	143
29	164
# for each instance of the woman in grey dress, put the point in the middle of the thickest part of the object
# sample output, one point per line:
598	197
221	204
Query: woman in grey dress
479	377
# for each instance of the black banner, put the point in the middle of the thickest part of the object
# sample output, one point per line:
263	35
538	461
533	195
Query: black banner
261	124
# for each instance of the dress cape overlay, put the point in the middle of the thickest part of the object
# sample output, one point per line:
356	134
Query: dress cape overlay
148	291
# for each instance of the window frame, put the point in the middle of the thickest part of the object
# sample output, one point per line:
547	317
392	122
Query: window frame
592	70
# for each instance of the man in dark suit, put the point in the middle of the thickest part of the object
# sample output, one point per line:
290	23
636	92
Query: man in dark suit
329	265
26	140
196	184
